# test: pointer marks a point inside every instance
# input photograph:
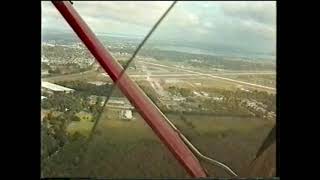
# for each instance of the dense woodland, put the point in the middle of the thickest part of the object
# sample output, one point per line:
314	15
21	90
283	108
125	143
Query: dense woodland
65	53
86	89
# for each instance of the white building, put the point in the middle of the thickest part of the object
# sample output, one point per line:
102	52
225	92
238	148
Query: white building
196	93
176	98
204	94
126	114
98	83
116	102
217	98
93	99
242	89
121	103
172	81
44	72
47	86
44	59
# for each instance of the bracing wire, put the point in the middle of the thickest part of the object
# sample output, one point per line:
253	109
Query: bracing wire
127	65
185	140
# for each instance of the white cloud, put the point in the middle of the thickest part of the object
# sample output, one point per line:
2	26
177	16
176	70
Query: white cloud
208	24
141	13
194	20
263	11
251	24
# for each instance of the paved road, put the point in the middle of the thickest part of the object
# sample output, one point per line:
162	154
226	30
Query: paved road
194	74
212	76
190	73
252	73
120	107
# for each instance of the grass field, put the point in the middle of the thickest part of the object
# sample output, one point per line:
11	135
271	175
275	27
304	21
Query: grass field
131	149
82	127
265	80
209	83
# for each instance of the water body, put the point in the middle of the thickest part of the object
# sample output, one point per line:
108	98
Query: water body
186	50
121	36
68	38
226	53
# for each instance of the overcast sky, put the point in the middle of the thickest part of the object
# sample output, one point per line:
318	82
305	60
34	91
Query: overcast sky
245	25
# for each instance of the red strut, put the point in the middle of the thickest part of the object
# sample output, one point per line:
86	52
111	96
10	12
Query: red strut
150	113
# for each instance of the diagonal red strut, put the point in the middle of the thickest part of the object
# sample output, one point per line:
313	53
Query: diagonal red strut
150	113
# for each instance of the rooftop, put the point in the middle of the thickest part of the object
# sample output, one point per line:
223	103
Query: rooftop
55	87
98	83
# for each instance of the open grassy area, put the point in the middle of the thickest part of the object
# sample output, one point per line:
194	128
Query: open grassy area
130	149
82	127
209	83
265	80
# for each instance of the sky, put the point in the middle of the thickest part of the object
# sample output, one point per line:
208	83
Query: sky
244	25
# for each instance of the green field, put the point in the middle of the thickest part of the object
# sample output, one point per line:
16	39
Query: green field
265	80
82	127
130	149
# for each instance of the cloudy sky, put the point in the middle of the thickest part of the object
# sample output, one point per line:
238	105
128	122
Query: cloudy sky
250	26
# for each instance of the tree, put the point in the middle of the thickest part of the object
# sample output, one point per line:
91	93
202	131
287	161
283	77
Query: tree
98	101
75	118
123	63
48	143
54	71
185	92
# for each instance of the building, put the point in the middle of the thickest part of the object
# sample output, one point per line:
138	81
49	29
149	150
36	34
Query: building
196	93
217	98
98	83
43	97
93	99
204	94
44	72
176	98
126	114
169	81
120	103
50	87
242	89
115	102
44	60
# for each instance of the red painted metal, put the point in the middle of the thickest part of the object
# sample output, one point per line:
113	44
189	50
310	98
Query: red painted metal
150	113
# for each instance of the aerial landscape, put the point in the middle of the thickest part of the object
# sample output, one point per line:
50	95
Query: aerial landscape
223	101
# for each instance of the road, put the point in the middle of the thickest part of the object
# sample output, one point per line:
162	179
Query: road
188	75
212	76
120	107
153	82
